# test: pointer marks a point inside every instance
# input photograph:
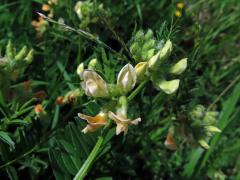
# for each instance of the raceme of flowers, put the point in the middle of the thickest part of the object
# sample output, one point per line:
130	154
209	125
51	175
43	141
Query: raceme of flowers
150	69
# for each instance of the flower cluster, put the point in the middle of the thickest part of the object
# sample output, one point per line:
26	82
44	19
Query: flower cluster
86	12
148	68
203	122
41	24
143	46
95	86
14	63
156	66
12	66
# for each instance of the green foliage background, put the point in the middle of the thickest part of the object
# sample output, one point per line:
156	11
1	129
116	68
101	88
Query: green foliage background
207	33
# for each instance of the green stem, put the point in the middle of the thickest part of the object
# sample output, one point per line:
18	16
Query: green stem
137	90
89	161
87	164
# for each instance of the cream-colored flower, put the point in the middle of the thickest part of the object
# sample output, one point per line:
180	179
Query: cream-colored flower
179	67
80	69
169	87
78	10
94	122
93	84
126	79
122	122
162	54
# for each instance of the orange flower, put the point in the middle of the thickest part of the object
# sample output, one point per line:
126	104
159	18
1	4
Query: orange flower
170	142
94	122
46	7
60	100
38	108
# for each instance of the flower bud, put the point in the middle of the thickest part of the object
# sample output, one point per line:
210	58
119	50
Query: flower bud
213	129
10	50
126	79
141	69
150	53
179	67
134	48
139	35
80	69
149	34
203	144
169	87
22	53
94	85
60	100
92	64
78	10
29	57
163	53
149	44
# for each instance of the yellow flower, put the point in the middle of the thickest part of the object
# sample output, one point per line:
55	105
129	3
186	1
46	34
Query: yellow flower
122	122
141	69
180	5
178	14
94	122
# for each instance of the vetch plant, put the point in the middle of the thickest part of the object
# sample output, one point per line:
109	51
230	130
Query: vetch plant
152	67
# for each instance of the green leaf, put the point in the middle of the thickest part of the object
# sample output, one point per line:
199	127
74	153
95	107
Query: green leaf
6	139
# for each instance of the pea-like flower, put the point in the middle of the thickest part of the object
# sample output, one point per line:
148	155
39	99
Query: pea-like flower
141	69
94	122
169	87
162	55
93	84
122	122
126	79
179	67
